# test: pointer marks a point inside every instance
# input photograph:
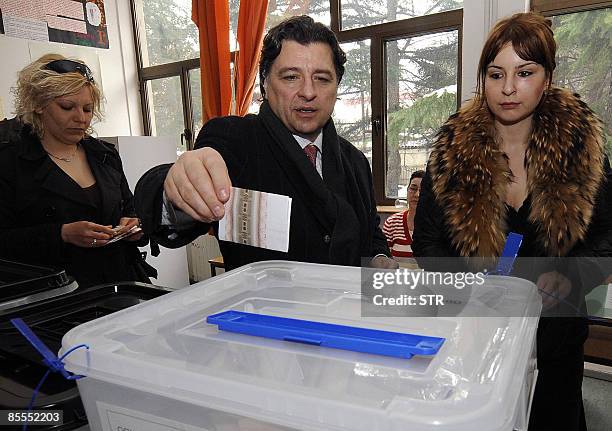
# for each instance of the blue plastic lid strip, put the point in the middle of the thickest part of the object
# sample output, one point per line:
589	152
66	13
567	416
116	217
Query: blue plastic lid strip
326	334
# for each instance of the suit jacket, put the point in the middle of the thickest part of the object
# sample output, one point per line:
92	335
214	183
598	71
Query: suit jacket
37	198
333	219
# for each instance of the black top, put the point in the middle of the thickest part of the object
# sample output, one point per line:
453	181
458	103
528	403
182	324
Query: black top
518	222
95	199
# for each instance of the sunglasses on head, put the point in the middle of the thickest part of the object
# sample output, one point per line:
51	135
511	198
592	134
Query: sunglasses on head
68	66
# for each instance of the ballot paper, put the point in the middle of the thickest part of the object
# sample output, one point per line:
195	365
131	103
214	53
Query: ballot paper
257	218
134	230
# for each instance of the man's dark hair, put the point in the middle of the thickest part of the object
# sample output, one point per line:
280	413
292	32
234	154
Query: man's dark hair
301	29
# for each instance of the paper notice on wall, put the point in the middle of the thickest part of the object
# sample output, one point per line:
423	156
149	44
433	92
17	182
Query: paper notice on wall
115	418
65	24
25	28
257	218
76	22
31	9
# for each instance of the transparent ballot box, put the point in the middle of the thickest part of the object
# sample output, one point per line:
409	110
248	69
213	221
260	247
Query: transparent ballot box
160	365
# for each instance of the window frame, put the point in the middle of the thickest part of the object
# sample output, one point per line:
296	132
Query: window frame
379	34
180	69
561	7
166	70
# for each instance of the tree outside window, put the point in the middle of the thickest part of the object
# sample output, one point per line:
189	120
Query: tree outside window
584	63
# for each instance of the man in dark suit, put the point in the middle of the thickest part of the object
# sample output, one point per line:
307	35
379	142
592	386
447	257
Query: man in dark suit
333	214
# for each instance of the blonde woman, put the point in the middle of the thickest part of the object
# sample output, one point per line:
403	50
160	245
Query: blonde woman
63	193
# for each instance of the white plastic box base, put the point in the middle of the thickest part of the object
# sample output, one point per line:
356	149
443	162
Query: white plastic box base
159	366
112	407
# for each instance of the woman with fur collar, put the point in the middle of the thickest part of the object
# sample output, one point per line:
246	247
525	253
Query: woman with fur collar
524	156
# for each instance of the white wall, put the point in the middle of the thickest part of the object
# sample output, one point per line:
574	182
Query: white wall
115	68
139	154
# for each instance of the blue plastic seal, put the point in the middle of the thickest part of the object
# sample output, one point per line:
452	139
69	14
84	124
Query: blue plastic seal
509	253
343	337
54	363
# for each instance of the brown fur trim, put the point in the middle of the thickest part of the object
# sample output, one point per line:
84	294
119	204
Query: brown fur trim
564	171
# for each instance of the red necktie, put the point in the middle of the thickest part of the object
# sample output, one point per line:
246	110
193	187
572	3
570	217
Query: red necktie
311	152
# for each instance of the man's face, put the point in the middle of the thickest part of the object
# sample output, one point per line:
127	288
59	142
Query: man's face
302	87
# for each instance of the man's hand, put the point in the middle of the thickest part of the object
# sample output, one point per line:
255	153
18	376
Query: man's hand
199	185
86	234
384	262
553	287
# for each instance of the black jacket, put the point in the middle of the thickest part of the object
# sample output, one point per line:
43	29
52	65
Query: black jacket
567	216
37	198
333	220
462	213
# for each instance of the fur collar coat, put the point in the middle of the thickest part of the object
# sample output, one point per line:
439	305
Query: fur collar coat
565	170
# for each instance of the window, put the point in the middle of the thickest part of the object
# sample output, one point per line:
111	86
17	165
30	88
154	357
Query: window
352	113
169	34
167	112
282	9
400	85
167	49
361	13
196	99
584	65
421	94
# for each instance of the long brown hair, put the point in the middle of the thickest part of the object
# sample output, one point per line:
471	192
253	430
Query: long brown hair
531	37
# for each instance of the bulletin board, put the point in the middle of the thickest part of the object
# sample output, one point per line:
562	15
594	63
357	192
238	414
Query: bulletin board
76	22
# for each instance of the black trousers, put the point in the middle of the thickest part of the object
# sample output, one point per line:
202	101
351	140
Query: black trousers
557	402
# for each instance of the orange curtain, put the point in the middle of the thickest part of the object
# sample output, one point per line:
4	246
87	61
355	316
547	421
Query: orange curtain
251	26
212	19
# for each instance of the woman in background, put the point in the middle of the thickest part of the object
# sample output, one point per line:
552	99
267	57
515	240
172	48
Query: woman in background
398	227
524	156
63	193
